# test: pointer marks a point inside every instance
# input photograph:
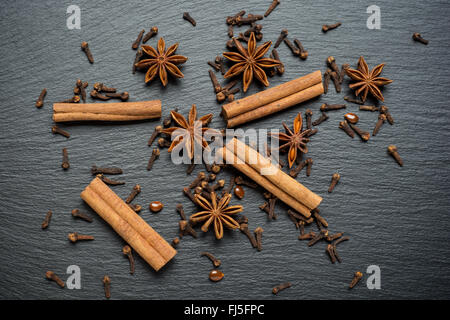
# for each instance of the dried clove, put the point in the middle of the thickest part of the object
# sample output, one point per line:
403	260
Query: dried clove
272	6
418	37
111	170
309	163
214	65
136	190
180	211
96	95
187	17
280	68
344	126
239	180
369	108
187	192
351	100
321	235
74	99
155	154
258	236
336	80
385	110
109	181
281	287
230	31
76	213
175	241
321	119
137	42
200	177
334	180
154	135
138	57
215	82
126	250
74	237
65	159
185	227
344	68
364	135
331	107
47	219
87	51
331	62
58	130
216	262
107	286
244	229
294	172
135	207
303	54
122	96
326	80
295	51
392	150
308	115
40	100
283	34
356	278
319	218
190	168
153	31
327	27
381	120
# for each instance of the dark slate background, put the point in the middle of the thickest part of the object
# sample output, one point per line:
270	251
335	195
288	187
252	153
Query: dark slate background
397	218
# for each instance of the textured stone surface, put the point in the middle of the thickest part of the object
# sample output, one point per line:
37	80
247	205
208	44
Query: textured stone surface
398	218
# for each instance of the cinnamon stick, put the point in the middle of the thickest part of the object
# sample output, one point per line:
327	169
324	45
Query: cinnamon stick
117	111
276	106
265	97
131	227
272	173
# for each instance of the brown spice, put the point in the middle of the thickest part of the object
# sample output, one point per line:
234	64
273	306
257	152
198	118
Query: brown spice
364	135
50	275
74	237
110	181
155	154
272	6
327	27
87	51
65	159
392	150
154	135
356	278
47	219
153	31
334	180
216	262
137	42
187	17
40	100
244	229
329	107
280	39
111	170
76	213
136	190
418	37
344	126
281	287
107	286
381	120
126	250
156	206
258	235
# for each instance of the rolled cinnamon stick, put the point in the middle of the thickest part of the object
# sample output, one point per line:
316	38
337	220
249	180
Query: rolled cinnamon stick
130	235
231	158
272	173
117	111
109	206
265	97
286	102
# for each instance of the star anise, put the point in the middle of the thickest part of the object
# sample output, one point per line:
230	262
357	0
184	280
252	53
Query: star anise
296	140
161	61
250	61
218	213
190	131
367	81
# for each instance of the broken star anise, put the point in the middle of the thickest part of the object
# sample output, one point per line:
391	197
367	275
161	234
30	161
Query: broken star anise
250	61
296	140
367	81
190	131
161	62
218	213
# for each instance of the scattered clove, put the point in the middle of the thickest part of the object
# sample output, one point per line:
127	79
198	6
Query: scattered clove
110	181
369	108
281	287
392	150
76	213
47	219
153	31
107	286
187	17
280	39
321	119
351	100
344	126
50	275
40	100
58	130
309	163
364	135
331	107
185	227
327	27
244	229
295	51
126	250
137	42
136	190
155	154
381	120
334	180
385	110
154	135
258	236
74	237
216	262
303	54
87	51
65	159
111	170
418	37
356	278
272	6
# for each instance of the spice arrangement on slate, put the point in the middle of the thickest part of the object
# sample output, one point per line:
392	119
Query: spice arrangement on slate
213	196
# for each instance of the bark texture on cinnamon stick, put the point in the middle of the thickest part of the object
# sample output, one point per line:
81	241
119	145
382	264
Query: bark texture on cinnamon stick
118	111
132	228
273	100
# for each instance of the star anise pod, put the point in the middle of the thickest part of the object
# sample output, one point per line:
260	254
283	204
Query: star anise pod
367	81
161	61
250	61
296	140
190	131
218	213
